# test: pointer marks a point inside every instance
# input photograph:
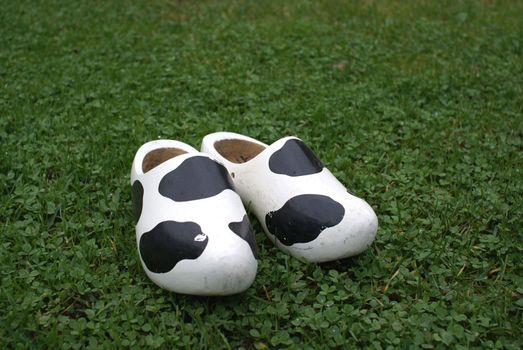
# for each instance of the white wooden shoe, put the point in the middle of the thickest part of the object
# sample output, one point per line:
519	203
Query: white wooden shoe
301	206
192	231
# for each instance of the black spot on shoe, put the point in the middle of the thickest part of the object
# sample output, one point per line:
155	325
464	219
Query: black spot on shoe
244	230
303	218
195	178
137	199
295	159
170	242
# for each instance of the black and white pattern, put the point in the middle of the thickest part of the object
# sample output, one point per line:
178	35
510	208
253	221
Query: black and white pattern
244	230
294	159
169	242
302	218
302	207
192	231
195	178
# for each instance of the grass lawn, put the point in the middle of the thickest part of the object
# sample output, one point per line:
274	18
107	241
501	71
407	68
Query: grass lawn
416	106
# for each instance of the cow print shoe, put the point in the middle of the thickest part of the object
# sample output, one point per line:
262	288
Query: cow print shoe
192	231
301	206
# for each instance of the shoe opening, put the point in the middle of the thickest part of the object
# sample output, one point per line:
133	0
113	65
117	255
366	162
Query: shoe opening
158	156
238	151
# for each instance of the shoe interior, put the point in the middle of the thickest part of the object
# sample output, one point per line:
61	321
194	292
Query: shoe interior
158	156
238	151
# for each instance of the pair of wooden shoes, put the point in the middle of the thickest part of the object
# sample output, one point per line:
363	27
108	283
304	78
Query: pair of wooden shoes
192	230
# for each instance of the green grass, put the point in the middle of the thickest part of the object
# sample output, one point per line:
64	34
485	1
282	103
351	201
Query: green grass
416	106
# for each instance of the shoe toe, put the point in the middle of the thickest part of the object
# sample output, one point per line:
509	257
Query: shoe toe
360	227
223	269
351	236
